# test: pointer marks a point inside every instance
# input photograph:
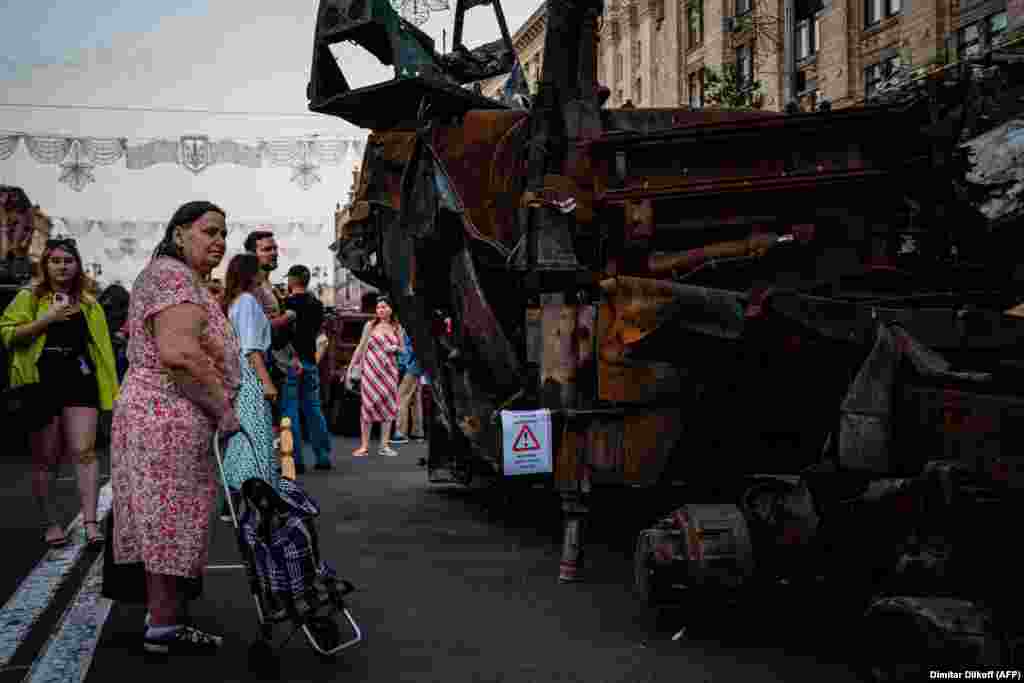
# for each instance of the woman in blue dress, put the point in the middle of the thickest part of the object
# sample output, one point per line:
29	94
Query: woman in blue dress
257	391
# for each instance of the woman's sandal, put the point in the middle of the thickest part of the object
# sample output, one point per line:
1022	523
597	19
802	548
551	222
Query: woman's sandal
92	541
360	452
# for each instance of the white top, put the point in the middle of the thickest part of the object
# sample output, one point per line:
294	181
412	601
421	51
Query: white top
251	324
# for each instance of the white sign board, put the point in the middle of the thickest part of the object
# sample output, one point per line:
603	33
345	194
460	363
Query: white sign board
526	441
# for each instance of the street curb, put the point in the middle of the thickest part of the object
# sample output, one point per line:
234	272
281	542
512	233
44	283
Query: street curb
23	610
67	655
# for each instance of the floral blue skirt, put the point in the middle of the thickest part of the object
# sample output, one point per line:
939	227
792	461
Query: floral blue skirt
253	457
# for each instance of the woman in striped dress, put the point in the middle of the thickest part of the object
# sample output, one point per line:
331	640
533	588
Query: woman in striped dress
378	363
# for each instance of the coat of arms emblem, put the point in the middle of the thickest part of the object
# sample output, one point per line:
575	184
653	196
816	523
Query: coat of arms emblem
196	152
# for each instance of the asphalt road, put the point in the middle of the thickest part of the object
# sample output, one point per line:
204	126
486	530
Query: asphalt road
454	588
21	525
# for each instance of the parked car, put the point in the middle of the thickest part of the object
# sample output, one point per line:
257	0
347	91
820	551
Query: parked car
341	407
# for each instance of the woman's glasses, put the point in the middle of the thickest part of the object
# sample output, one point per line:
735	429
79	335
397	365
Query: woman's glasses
61	242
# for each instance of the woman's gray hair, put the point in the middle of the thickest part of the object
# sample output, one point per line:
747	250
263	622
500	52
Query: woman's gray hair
187	214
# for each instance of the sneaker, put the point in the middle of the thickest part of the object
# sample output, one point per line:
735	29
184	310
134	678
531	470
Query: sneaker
388	451
186	640
399	438
419	439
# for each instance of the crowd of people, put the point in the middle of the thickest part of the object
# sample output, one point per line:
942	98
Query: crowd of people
177	361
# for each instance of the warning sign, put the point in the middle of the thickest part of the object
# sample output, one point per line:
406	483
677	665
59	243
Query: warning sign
526	441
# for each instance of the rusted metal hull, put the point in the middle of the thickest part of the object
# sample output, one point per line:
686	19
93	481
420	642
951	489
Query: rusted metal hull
446	210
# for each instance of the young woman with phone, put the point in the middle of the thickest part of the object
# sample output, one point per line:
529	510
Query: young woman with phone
58	337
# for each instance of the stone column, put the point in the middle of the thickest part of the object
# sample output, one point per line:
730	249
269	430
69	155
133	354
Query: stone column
788	52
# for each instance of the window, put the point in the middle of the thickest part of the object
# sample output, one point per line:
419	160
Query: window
637	52
975	39
742	7
744	66
616	33
696	89
638	91
996	27
876	10
618	68
695	23
806	40
876	73
658	9
970	42
634	14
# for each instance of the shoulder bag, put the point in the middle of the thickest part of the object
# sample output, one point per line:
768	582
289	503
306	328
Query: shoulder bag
354	374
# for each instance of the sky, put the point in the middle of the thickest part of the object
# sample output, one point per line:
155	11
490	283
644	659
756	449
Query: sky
250	59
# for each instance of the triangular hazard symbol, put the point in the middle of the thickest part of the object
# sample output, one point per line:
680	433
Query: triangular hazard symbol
525	441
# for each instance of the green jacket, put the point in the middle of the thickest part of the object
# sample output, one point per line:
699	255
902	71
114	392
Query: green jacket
23	357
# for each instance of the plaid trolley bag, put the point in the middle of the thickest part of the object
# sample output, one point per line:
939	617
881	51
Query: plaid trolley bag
289	580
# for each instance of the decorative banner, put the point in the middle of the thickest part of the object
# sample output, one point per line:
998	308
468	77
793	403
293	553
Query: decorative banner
155	152
8	145
47	149
137	239
76	171
120	248
78	156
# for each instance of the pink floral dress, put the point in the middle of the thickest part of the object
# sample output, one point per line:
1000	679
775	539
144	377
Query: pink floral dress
162	469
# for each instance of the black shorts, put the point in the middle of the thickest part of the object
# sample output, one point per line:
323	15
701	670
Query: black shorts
71	388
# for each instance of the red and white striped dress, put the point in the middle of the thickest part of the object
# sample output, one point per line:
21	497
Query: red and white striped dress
380	378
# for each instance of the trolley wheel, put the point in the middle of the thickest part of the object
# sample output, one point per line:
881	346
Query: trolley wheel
262	661
326	632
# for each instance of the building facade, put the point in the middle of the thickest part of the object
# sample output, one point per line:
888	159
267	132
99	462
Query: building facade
528	41
348	290
653	53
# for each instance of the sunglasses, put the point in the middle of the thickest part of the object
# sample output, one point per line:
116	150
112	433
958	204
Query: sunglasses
61	242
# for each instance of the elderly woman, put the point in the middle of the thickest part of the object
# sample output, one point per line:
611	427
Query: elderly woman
181	383
58	337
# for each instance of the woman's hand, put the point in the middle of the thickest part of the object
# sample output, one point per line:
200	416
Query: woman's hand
58	313
269	391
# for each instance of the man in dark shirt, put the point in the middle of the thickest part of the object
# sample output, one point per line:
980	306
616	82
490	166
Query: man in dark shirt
302	393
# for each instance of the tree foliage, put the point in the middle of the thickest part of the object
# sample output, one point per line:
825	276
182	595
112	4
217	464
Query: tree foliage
725	88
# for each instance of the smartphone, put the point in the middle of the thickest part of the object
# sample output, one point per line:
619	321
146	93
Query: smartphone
60	299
